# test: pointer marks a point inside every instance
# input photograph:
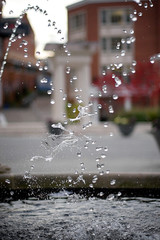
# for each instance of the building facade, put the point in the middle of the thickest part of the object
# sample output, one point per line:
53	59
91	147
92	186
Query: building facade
127	34
124	30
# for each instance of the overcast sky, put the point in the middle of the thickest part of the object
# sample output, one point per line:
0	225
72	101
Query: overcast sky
56	10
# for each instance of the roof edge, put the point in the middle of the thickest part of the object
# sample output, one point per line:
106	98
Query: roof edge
86	2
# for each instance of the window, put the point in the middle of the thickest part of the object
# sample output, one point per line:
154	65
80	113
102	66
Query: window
104	43
77	21
117	16
103	16
127	15
116	43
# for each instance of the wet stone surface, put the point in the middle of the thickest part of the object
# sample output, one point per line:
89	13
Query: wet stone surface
72	217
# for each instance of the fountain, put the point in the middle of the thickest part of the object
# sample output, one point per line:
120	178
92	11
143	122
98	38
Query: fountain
90	202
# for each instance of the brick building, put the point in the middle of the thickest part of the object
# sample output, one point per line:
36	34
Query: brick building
21	70
128	37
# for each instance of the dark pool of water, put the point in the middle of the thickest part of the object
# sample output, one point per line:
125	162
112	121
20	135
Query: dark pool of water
65	216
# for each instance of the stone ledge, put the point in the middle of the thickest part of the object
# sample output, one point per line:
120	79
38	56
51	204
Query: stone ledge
15	187
110	181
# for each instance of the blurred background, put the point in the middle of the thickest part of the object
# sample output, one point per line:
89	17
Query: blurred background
101	55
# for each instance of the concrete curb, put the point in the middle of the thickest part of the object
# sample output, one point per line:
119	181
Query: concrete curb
147	185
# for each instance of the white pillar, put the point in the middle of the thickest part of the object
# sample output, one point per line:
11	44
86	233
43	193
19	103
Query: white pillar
127	104
83	82
58	108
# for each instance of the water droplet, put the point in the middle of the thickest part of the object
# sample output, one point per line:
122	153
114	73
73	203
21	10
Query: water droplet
145	5
134	18
74	78
111	134
119	194
134	63
85	146
101	194
76	90
123	40
115	97
25	55
11	193
44	80
68	69
49	92
69	105
79	154
45	68
105	125
110	108
64	97
110	197
27	175
140	14
103	72
150	3
103	155
98	149
133	70
69	179
40	68
59	31
52	101
124	74
99	106
106	149
7	181
29	64
112	182
104	88
107	171
152	60
123	53
32	167
131	31
24	42
91	185
25	49
5	26
140	3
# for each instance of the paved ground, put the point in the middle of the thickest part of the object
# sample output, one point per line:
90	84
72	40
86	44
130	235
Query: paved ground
91	151
23	136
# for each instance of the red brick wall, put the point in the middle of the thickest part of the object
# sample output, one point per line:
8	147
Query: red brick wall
147	29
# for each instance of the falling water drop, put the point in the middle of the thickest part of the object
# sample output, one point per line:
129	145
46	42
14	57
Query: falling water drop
105	125
112	182
152	60
145	5
5	26
52	101
7	181
123	53
115	96
49	92
79	154
111	110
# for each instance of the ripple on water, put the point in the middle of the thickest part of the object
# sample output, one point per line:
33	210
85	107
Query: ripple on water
66	216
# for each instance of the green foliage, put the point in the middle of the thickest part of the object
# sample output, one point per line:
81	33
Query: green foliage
72	110
139	115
